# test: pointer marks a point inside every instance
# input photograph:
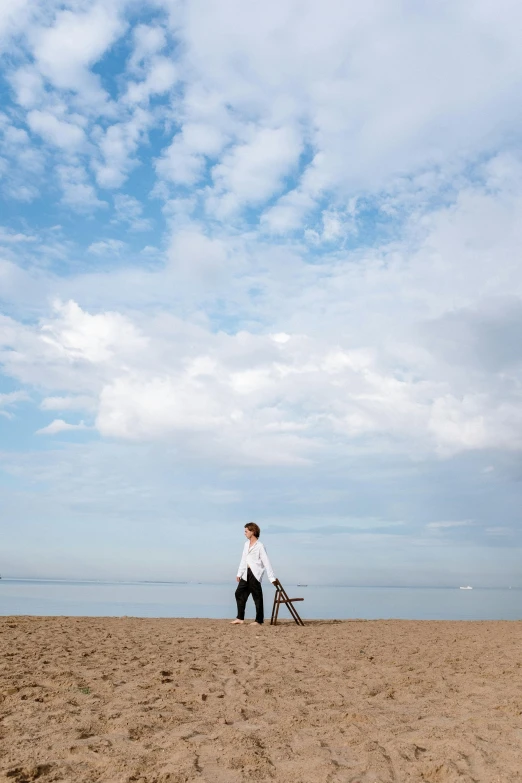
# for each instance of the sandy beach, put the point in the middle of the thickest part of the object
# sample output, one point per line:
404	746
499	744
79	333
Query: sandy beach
171	701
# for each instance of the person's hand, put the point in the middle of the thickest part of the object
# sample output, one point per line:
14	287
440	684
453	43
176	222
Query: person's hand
276	582
238	578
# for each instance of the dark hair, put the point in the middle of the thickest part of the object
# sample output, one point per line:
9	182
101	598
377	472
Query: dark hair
256	530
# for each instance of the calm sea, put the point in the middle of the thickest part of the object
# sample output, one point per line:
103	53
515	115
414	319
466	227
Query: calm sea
152	599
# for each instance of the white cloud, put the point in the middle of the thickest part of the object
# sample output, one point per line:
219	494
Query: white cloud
344	77
23	163
197	257
28	85
359	350
155	408
160	78
375	356
205	132
250	173
179	165
267	86
107	247
78	193
289	212
65	50
15	136
450	524
281	337
248	388
117	146
22	193
149	40
76	403
183	162
129	210
77	335
62	134
12	237
59	425
14	14
9	400
335	225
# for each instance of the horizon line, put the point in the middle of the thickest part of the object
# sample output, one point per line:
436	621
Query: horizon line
106	580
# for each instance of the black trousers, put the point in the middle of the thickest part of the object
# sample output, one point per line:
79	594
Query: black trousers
250	586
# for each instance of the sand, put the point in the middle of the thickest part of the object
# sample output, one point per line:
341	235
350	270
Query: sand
169	701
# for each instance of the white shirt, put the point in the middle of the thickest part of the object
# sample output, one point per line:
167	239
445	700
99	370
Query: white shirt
256	559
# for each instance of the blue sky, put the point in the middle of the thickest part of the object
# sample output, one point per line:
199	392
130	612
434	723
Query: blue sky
261	262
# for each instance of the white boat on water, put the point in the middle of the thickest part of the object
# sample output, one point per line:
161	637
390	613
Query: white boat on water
468	587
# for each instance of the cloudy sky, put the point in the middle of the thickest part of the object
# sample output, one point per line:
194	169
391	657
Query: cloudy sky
261	261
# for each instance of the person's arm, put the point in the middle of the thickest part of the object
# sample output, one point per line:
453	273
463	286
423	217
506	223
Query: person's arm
242	564
266	562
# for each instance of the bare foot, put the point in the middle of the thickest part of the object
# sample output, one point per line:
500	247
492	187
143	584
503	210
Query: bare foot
258	624
237	622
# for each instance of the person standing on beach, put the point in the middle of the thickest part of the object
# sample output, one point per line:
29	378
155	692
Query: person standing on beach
254	562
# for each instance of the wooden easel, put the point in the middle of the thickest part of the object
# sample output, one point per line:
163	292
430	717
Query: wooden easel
281	597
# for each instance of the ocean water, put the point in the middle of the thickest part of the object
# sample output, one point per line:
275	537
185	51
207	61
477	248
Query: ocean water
152	599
